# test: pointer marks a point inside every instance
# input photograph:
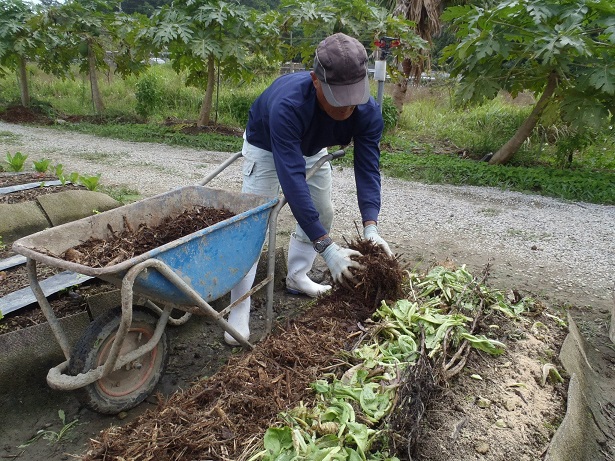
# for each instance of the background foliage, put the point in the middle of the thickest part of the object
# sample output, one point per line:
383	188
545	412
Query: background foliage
499	57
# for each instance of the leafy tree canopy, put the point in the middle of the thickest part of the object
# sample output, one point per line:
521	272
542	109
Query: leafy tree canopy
523	44
15	37
193	31
146	7
261	5
313	21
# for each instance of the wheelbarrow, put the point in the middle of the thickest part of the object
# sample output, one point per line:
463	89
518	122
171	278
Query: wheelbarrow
121	356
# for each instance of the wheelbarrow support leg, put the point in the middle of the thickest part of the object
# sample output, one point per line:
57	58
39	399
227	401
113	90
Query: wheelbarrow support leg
203	306
54	323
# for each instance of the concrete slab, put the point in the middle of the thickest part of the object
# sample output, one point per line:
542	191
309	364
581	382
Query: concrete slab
20	219
71	205
24	297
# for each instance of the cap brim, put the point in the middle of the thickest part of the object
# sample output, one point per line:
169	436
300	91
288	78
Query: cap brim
346	95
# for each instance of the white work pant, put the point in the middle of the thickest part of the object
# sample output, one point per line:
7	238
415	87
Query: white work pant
260	177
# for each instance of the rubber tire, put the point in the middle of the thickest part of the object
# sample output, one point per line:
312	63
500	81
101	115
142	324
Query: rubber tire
139	384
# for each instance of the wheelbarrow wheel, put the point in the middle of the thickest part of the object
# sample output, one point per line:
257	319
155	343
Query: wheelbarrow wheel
129	386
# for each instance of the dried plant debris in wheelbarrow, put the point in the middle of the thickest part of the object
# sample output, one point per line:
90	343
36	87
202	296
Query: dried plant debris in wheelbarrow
226	415
128	243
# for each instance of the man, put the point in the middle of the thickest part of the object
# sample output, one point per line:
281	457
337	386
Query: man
290	126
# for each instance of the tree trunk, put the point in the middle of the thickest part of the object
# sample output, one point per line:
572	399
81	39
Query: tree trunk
401	87
99	107
399	94
209	94
508	150
23	83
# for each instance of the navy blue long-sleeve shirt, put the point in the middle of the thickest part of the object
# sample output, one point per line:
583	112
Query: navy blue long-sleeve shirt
287	121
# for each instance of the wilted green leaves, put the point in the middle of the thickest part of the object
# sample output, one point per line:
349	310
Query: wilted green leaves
344	424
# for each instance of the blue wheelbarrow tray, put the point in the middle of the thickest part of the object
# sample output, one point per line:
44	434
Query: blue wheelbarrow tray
211	261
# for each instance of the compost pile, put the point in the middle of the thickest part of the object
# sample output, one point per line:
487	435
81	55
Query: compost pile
128	243
226	415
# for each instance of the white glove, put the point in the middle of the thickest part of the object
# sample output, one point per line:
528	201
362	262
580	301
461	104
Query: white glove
339	262
370	232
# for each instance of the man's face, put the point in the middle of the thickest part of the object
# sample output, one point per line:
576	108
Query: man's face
336	113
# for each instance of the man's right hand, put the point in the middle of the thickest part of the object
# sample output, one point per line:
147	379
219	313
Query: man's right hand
339	262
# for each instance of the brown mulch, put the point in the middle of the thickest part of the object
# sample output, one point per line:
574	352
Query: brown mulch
226	415
128	243
64	304
20	114
14	179
190	127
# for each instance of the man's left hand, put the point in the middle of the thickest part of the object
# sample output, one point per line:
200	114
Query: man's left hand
370	232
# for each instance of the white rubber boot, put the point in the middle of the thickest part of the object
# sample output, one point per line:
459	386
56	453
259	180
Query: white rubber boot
239	316
301	256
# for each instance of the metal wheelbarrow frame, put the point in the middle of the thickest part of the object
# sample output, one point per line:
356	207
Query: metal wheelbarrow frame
160	276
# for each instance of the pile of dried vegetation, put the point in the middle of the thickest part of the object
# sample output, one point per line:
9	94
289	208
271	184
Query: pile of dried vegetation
351	377
121	245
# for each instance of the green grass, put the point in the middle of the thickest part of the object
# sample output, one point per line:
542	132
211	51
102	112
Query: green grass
151	132
122	194
480	130
569	184
434	141
431	124
8	137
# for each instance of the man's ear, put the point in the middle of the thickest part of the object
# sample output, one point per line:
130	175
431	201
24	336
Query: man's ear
315	80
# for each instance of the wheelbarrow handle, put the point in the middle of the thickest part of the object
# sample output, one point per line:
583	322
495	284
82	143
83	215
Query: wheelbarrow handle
338	154
273	220
220	168
332	156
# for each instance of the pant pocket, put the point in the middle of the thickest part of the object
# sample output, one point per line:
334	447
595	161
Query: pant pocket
247	167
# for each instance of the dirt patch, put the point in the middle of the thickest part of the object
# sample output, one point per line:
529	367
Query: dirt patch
45	115
14	179
32	194
220	417
476	412
31	115
191	128
69	302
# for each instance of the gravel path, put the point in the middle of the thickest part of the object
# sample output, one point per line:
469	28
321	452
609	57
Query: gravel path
562	252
